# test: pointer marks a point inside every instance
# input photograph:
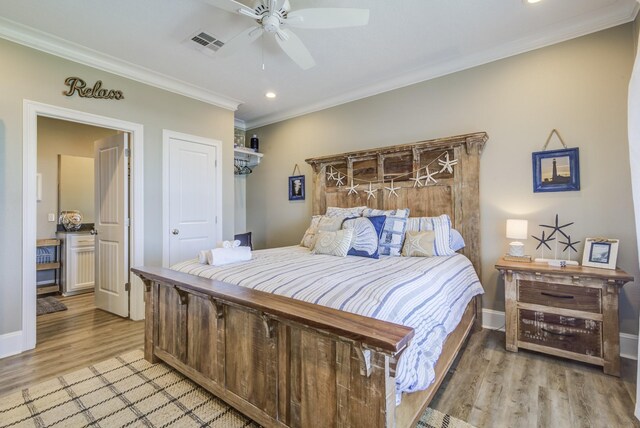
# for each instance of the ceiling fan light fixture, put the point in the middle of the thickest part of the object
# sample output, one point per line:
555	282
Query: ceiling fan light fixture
270	94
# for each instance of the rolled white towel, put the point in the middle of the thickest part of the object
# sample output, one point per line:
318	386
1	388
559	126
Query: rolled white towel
227	244
236	243
224	256
202	257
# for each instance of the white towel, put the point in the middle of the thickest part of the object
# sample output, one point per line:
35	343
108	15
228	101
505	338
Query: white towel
230	244
202	257
224	256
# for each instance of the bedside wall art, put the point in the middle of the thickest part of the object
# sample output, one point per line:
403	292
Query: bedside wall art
296	185
556	170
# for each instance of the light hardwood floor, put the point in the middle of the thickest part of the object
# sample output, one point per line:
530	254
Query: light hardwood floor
70	340
490	387
487	386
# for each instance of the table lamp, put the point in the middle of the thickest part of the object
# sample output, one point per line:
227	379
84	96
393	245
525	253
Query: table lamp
516	229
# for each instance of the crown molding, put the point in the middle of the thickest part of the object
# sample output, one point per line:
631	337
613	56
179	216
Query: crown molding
590	24
53	45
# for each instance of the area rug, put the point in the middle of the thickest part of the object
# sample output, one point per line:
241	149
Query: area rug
48	305
127	391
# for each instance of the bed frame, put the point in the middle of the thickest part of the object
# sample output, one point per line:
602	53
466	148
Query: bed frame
288	363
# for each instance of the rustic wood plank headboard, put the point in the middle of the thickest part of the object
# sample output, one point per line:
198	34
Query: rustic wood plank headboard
456	194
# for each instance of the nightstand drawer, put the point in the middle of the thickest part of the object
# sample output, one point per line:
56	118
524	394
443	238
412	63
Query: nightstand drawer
560	296
570	334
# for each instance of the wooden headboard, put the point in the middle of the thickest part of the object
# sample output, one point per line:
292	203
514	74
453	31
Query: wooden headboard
456	194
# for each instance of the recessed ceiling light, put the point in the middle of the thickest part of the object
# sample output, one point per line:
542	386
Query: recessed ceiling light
532	1
270	95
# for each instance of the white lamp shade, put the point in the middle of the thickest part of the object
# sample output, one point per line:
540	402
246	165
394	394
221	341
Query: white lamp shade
517	229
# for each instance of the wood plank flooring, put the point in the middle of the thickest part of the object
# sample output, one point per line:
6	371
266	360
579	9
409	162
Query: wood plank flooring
487	386
70	340
490	387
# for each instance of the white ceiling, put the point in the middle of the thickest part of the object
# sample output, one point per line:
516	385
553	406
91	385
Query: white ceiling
406	41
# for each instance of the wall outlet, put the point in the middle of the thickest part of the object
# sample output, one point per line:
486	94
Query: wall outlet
51	217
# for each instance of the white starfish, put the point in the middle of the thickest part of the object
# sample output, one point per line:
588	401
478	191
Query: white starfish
352	189
331	175
417	181
429	177
339	179
392	190
446	164
370	192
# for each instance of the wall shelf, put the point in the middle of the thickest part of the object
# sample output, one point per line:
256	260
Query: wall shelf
242	153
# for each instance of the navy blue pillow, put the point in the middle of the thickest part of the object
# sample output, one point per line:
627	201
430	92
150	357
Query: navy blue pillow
366	235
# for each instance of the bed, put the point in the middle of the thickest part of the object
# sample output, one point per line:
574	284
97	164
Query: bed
307	357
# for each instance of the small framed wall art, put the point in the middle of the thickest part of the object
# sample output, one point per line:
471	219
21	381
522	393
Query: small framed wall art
296	188
600	253
556	170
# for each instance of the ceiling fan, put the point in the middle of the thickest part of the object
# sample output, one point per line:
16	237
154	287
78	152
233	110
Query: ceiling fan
274	16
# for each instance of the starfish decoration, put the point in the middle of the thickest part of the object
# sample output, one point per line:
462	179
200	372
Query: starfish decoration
370	192
429	177
446	164
352	189
332	174
339	180
543	241
557	228
569	244
392	190
417	181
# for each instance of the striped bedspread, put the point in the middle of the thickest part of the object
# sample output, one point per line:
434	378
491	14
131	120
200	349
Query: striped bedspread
428	294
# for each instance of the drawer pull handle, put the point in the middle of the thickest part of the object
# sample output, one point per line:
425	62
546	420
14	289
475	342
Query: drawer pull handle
556	333
558	296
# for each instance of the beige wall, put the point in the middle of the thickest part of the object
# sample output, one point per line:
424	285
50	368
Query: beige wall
578	87
33	75
59	137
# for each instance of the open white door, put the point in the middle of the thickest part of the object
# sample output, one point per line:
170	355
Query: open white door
112	224
192	199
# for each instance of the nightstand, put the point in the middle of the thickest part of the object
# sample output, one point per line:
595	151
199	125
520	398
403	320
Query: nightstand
569	312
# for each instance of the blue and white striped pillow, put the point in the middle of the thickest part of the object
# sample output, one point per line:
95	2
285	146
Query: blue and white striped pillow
441	225
392	236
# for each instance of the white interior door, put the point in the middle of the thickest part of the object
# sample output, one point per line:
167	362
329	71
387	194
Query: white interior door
192	199
112	224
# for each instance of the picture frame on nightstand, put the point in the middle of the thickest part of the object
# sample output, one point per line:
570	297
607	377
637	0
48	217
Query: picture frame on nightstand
600	253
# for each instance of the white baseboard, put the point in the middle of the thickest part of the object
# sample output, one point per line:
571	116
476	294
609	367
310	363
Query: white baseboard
494	320
10	343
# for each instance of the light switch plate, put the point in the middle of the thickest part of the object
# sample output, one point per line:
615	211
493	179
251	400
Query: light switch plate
51	217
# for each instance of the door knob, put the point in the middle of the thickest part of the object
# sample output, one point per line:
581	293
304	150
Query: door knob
175	231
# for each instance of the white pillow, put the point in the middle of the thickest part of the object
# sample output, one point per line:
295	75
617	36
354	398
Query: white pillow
345	212
333	243
320	222
442	227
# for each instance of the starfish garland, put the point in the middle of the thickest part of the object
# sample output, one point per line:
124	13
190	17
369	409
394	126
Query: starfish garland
417	181
569	244
331	175
429	177
370	193
352	189
557	228
339	179
543	241
446	164
392	190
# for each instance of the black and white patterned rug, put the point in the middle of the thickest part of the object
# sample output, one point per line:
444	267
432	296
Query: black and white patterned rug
127	391
48	305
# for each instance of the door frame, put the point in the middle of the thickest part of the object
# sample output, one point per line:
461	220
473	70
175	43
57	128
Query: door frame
31	111
167	135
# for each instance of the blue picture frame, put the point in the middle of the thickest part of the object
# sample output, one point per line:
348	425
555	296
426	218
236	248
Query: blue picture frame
296	188
556	170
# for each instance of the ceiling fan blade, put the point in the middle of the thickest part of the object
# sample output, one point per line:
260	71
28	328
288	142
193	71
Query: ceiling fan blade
232	6
240	41
297	51
322	18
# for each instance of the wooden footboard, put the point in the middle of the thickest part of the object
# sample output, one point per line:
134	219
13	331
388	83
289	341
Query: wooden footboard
280	361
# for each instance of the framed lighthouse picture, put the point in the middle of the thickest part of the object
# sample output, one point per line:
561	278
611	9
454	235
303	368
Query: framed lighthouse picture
556	170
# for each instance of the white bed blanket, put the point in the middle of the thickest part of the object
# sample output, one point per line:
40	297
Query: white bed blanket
428	294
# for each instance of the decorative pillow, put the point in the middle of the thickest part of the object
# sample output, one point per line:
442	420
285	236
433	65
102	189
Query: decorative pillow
393	232
366	235
456	240
345	212
419	244
333	243
441	225
309	237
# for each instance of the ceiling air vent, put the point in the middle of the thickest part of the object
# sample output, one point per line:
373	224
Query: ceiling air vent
207	41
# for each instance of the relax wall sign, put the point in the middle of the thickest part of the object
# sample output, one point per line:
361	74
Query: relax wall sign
78	86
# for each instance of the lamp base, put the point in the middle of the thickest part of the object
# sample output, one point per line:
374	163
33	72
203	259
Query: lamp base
516	249
521	259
